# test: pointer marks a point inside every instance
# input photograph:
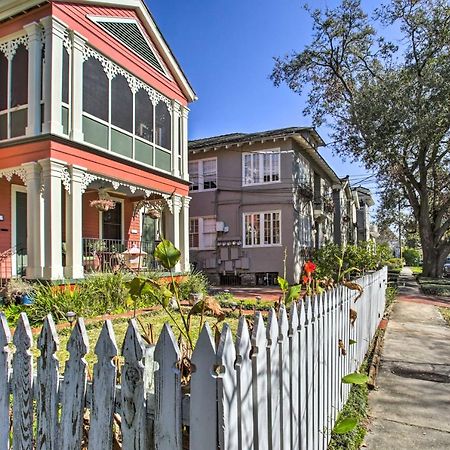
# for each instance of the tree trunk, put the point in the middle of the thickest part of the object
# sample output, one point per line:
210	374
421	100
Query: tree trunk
433	259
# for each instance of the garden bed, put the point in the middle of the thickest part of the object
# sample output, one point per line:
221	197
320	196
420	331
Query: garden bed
439	287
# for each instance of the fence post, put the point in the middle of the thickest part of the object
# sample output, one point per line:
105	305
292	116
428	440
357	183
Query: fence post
283	345
203	402
5	366
294	377
103	390
273	382
302	389
74	388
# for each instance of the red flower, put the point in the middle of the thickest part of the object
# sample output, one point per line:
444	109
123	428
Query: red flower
309	267
306	279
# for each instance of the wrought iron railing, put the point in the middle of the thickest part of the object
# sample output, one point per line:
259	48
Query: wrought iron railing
110	255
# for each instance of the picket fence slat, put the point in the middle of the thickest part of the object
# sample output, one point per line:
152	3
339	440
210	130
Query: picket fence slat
74	388
203	403
5	366
278	388
168	392
273	382
103	390
227	392
132	390
22	386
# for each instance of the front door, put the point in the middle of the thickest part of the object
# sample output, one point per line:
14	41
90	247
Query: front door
19	243
149	235
112	223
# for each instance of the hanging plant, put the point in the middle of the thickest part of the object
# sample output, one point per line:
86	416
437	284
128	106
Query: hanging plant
103	204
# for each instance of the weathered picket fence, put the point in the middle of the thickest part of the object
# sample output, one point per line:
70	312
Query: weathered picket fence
276	387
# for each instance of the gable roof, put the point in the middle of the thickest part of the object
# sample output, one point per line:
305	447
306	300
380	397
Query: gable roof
302	135
11	8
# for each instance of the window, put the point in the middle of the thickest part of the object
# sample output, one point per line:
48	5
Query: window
202	233
203	174
305	174
262	229
124	122
14	94
261	167
305	230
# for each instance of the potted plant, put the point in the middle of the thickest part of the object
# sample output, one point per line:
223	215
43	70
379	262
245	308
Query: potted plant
19	292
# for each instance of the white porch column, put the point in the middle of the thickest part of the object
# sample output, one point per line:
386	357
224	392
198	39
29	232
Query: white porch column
74	225
173	225
78	44
34	220
184	233
176	148
52	87
34	78
184	143
52	174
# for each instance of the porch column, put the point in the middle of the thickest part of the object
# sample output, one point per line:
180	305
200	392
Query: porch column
52	170
34	220
52	86
176	147
78	44
184	143
184	232
34	78
173	231
74	225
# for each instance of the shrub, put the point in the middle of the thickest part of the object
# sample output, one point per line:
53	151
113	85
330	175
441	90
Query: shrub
440	290
411	256
195	282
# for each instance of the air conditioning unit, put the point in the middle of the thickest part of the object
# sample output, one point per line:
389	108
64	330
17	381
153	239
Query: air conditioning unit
220	226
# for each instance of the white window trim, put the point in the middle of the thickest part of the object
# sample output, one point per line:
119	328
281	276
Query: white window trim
14	189
261	221
201	233
261	167
200	174
122	228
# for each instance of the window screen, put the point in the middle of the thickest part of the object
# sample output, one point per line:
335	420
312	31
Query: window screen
19	77
144	116
121	103
65	76
95	89
162	125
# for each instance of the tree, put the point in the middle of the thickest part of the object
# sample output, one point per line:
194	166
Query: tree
386	105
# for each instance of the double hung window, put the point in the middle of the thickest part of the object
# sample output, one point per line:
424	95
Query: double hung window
203	174
202	233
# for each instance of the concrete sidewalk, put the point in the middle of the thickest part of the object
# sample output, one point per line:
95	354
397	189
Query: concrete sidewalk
411	408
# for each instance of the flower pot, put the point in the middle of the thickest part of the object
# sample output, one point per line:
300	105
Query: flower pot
26	300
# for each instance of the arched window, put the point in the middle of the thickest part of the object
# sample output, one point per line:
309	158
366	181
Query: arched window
19	77
163	127
121	104
95	89
144	116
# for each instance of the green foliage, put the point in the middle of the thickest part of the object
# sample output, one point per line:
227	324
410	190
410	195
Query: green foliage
411	256
290	293
345	425
195	282
167	254
440	290
395	263
355	378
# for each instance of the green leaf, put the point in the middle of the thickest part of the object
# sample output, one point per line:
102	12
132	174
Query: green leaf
345	425
355	378
134	287
294	293
350	269
167	254
284	285
197	308
352	342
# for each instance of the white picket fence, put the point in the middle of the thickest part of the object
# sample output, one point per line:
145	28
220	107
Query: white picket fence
276	387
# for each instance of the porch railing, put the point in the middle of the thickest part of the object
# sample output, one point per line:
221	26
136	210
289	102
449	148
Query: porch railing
108	255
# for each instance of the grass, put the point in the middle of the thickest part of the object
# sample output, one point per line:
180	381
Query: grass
445	314
416	270
357	405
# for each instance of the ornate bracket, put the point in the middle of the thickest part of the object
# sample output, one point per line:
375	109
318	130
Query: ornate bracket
9	48
19	171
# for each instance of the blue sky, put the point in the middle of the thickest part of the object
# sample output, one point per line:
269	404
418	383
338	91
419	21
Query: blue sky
226	49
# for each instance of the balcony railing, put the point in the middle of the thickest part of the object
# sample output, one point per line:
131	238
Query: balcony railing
110	255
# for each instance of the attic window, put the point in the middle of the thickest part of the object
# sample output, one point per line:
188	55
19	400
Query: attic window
129	33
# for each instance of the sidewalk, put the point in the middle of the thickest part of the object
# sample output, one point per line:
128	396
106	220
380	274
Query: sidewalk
411	408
